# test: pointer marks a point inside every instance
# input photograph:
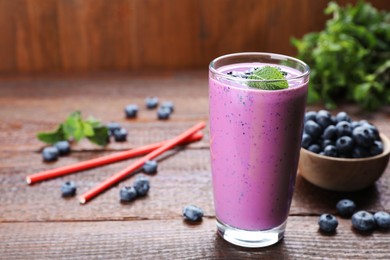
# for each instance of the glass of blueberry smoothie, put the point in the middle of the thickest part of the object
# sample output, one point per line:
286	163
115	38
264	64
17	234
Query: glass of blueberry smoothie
257	105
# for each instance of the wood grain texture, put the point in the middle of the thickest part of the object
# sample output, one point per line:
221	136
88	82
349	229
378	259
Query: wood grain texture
94	35
180	172
151	239
53	99
36	223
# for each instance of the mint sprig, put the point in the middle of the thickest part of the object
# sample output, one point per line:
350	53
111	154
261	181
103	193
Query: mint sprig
75	128
272	76
349	58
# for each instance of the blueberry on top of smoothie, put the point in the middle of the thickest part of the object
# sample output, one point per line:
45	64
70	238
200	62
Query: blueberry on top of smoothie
268	73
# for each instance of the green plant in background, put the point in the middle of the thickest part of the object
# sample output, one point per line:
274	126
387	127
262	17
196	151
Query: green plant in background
350	58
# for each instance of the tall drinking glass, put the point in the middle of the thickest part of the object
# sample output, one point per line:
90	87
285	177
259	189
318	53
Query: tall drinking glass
255	137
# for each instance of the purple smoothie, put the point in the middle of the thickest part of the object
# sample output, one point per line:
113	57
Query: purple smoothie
255	141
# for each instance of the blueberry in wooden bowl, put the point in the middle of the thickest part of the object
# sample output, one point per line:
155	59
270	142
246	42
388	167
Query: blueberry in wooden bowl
345	156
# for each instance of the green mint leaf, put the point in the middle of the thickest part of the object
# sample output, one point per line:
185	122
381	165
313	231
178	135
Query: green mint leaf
88	129
73	126
352	46
268	73
76	128
100	136
52	137
93	122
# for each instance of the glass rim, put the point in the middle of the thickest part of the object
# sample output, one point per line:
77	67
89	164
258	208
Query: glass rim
269	54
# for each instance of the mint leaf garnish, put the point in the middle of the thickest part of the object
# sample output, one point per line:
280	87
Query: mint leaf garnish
75	128
93	122
268	73
88	129
52	137
100	136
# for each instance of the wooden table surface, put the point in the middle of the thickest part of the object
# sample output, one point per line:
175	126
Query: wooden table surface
37	223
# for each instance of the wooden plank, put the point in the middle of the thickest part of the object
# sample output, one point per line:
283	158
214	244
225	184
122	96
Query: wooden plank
162	25
185	172
36	223
174	239
108	36
104	96
232	26
53	99
43	28
73	35
8	33
19	136
30	105
94	35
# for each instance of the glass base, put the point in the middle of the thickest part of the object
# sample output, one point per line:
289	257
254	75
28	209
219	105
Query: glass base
246	238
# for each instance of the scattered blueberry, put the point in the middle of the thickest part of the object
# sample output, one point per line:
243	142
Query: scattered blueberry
127	193
163	113
141	185
120	135
324	118
382	219
131	111
151	102
328	223
63	147
192	213
150	167
346	208
50	154
68	189
363	221
169	105
112	127
313	129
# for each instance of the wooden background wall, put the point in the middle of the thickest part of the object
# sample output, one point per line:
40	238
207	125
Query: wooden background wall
94	35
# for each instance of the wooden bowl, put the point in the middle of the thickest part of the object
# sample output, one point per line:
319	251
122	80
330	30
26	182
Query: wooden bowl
341	174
